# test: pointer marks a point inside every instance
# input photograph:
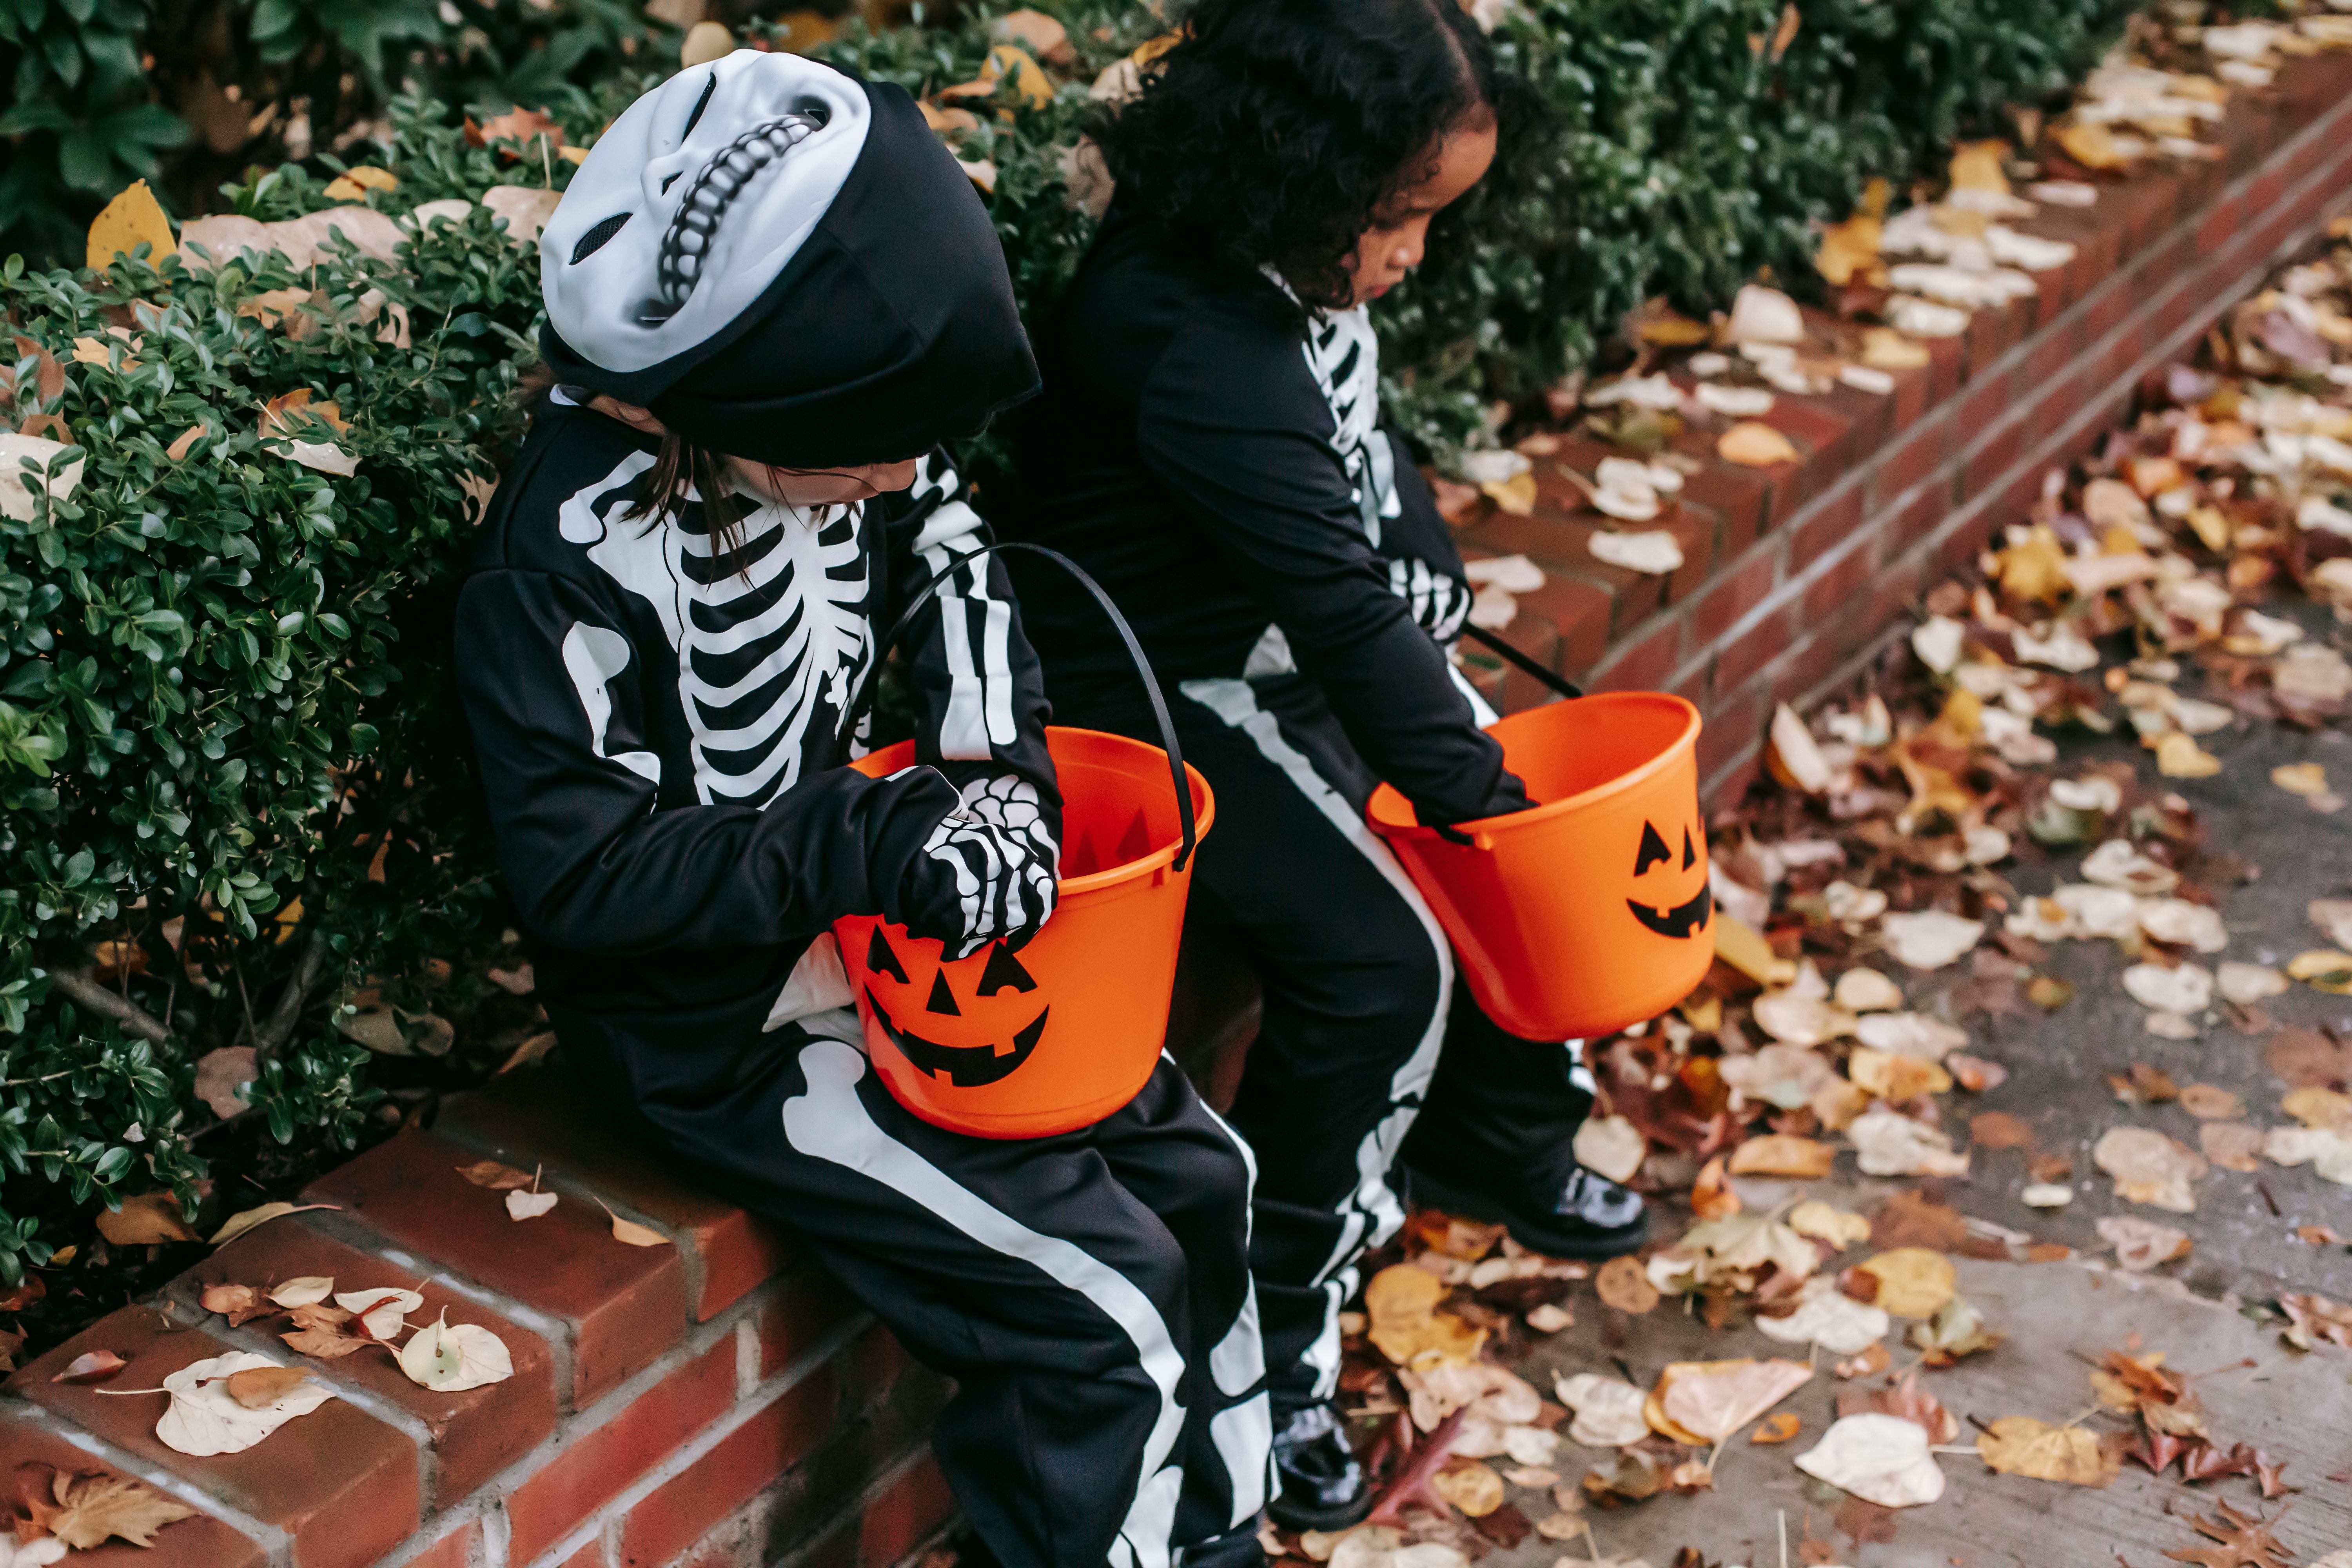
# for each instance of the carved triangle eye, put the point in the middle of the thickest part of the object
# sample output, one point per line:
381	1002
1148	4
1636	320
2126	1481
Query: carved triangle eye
1690	855
1653	849
942	999
1004	970
881	960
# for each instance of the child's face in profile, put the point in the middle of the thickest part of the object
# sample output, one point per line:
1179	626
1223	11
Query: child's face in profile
800	488
1394	247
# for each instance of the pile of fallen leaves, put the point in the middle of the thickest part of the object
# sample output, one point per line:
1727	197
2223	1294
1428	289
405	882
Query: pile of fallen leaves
2193	575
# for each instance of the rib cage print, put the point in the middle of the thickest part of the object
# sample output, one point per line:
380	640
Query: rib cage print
769	636
1343	354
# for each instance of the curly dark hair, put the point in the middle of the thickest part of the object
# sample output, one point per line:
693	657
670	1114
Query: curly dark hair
1279	132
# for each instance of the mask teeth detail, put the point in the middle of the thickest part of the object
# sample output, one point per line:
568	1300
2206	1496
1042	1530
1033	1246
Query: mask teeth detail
687	245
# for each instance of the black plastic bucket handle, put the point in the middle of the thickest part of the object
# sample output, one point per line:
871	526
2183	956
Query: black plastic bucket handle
1168	744
1488	640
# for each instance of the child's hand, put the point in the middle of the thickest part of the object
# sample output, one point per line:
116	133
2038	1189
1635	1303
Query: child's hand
987	870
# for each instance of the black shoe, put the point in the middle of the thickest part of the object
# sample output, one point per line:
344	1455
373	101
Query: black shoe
1318	1483
1589	1215
1236	1549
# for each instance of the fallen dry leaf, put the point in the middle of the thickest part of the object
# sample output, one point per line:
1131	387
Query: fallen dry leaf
521	1204
304	1291
1837	1227
1778	1428
92	1366
205	1419
2022	1445
382	1310
1711	1197
1780	1155
148	1219
2149	1168
1892	1144
452	1358
1827	1317
1610	1146
2142	1243
2210	1102
1622	1283
495	1175
1470	1485
1957	1330
132	218
1754	445
1705	1403
1879	1457
630	1232
2239	1540
84	1512
1998	1130
259	1387
1608	1410
1401	1303
1913	1281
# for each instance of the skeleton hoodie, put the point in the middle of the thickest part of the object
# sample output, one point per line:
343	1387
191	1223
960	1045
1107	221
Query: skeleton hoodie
656	709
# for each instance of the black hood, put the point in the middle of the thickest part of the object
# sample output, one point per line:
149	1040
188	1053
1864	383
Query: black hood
891	330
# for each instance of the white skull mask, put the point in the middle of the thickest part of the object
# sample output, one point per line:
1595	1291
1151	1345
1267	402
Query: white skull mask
694	201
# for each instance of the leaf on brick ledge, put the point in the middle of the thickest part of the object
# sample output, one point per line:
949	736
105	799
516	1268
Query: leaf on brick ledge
496	1176
452	1358
239	1223
523	1204
92	1366
630	1231
206	1418
382	1310
307	1290
84	1512
1755	446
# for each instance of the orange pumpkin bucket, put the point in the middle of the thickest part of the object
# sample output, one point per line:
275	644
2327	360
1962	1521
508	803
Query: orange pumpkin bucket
1590	910
1066	1031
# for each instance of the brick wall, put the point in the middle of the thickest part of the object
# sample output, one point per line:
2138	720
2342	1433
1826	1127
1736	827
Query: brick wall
1793	577
720	1402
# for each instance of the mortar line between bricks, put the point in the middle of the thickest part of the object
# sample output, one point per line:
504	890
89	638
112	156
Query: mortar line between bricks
189	1315
557	1331
689	1255
1788	591
694	1448
275	1543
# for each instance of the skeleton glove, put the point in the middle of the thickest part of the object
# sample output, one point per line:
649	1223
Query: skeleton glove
987	871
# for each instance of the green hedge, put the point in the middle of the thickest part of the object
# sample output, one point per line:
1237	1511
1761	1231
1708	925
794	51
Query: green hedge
226	731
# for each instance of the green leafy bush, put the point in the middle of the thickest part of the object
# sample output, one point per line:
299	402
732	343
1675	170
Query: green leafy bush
237	811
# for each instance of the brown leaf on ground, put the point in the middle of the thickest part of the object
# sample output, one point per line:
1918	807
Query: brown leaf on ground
2238	1540
521	125
1975	1074
1623	1284
2233	1145
1910	1218
2314	1318
1906	1399
238	1304
86	1510
2307	1059
1711	1195
1998	1130
1703	1402
327	1344
1778	1428
259	1387
1469	1240
1869	1363
1470	1485
2211	1102
2165	1400
2143	1085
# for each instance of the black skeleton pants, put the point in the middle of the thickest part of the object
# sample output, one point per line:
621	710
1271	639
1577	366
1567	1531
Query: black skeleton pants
1089	1292
1366	1047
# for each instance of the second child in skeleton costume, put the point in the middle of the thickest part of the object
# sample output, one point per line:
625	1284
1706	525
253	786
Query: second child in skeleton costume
1209	446
772	294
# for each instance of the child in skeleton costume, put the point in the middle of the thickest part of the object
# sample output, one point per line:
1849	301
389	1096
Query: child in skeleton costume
1209	446
770	294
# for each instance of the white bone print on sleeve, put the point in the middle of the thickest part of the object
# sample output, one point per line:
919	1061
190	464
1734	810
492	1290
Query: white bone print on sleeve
1003	858
592	656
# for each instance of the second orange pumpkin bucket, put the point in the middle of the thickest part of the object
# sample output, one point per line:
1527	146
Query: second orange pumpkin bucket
1590	910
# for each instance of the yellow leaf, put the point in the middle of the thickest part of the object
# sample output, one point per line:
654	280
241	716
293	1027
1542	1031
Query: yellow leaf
146	1219
353	185
1753	445
630	1231
1848	249
1673	332
2179	756
1837	1227
1895	1078
130	218
1976	166
1007	63
704	42
2035	571
2301	778
1782	1154
1777	1428
1473	1487
2323	969
238	1224
1884	348
94	1507
1913	1281
2021	1446
2093	146
2316	1107
1743	947
1406	1327
1516	495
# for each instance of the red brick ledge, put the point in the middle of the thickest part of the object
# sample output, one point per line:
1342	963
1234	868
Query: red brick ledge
721	1401
1795	578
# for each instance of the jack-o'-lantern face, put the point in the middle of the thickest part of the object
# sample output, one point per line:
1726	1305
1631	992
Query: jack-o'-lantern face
986	1036
1664	899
